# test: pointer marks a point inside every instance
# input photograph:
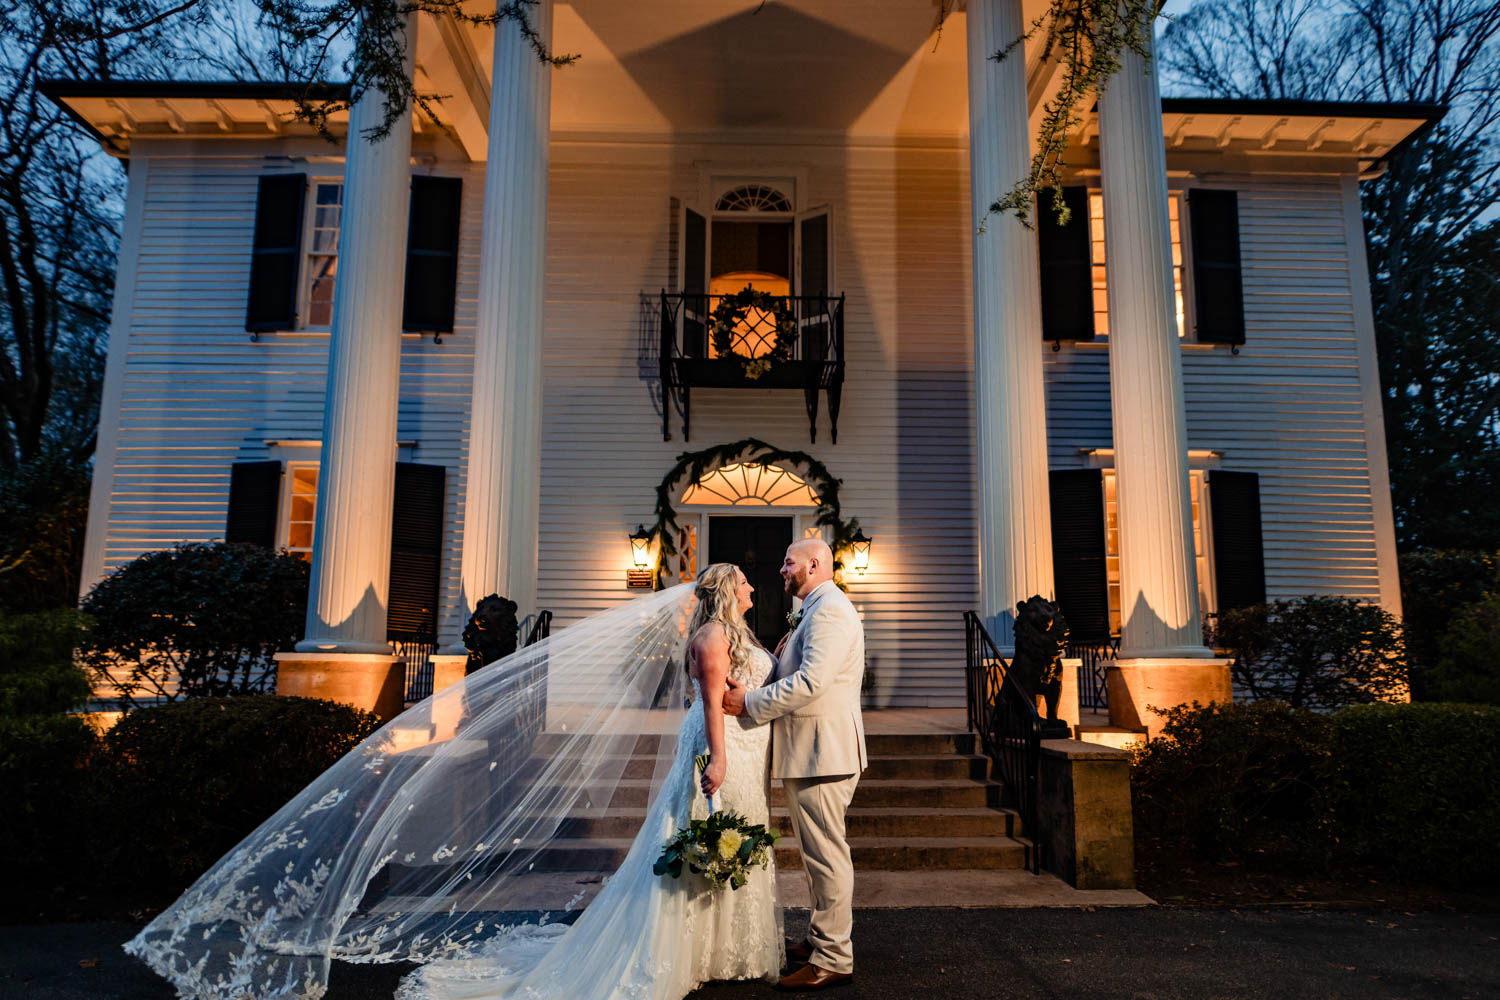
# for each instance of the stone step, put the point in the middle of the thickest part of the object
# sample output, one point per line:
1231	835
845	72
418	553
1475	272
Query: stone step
875	743
881	766
859	822
910	793
921	766
868	853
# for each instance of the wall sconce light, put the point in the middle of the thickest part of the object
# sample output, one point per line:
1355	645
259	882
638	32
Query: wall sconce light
861	546
640	547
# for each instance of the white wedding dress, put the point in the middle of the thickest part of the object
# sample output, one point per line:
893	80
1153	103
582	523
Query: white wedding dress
645	937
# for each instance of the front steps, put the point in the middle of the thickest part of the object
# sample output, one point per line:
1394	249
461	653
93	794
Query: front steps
924	804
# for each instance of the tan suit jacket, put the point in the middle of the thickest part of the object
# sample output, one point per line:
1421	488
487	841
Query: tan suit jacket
813	703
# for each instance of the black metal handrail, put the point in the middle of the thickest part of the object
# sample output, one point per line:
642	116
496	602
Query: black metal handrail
416	650
1010	731
814	356
1093	691
540	629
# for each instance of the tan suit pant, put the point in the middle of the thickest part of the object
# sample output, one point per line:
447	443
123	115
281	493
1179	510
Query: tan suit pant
817	807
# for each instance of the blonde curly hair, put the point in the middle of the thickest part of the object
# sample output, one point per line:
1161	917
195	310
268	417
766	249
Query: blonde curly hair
716	603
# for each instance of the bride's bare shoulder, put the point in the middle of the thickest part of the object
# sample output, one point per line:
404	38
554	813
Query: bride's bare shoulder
710	636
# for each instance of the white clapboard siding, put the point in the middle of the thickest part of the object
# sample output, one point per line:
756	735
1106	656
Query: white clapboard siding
198	395
1289	407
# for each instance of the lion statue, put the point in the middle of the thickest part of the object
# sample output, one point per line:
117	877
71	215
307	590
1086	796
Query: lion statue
491	632
1041	635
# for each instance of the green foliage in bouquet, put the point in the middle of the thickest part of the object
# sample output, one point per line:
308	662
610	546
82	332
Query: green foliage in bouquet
722	848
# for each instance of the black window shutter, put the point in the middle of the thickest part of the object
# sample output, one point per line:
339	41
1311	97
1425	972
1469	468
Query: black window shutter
694	282
1239	553
276	253
1067	271
416	551
1218	294
1078	568
814	281
432	254
254	495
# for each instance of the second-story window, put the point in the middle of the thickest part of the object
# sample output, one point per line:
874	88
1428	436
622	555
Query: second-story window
322	253
1096	248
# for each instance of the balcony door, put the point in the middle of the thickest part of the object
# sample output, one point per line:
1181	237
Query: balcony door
757	545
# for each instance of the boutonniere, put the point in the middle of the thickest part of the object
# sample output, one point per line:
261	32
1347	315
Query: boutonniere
793	618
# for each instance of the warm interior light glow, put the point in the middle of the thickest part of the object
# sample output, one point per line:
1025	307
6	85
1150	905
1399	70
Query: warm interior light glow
754	334
747	484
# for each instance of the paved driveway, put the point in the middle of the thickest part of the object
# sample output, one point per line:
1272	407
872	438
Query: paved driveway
1148	954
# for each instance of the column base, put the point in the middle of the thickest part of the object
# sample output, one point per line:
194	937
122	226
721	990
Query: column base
1138	685
372	681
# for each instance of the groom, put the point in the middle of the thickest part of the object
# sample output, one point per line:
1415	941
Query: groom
818	751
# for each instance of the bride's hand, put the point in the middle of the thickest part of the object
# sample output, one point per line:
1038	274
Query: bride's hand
713	775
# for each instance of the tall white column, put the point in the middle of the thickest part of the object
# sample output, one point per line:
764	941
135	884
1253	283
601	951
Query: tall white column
351	564
1015	526
504	470
1158	576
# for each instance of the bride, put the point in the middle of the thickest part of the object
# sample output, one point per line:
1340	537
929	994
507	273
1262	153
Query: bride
453	852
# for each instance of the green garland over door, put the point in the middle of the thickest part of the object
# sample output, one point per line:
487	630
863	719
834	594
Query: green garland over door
694	465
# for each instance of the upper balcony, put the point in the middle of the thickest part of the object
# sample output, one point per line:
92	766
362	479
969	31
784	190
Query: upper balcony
752	340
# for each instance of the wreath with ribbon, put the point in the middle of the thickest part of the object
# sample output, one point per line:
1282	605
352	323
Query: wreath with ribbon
694	465
732	310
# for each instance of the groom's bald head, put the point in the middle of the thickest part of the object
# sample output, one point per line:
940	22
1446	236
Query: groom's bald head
809	562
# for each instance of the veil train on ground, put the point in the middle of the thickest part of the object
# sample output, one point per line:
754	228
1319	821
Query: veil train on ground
447	825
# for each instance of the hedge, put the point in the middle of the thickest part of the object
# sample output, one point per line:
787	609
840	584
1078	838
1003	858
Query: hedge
1406	788
162	795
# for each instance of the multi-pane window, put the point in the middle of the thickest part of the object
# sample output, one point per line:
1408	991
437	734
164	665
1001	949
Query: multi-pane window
323	253
1112	546
301	507
1096	247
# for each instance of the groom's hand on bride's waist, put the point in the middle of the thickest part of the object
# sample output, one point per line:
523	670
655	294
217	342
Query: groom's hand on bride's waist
734	697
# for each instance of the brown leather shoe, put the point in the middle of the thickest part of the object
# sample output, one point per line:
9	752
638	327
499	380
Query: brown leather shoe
798	953
810	977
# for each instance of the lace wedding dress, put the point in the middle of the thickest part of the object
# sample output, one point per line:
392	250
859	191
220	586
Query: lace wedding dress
644	937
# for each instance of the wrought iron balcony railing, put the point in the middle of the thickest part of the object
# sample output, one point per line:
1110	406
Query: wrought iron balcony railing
798	343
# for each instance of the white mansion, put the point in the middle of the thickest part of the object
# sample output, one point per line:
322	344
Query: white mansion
463	359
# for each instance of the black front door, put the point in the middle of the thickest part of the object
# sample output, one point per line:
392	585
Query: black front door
757	545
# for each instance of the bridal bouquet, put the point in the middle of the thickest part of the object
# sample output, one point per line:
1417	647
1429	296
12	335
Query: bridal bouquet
722	848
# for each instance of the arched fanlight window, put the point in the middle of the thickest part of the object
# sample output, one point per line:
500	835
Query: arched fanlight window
747	484
753	198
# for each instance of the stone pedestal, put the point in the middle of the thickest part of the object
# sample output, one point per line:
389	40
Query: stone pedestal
1136	686
1083	807
372	681
447	701
1067	702
1010	413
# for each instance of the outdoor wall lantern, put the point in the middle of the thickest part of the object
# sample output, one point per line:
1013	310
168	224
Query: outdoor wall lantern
861	546
640	547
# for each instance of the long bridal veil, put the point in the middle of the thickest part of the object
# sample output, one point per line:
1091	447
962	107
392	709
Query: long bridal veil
455	819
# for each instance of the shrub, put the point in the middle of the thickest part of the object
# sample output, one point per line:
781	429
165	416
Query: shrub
47	782
197	620
1225	777
1416	788
1468	655
1407	788
45	504
190	780
37	672
1315	652
1435	586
